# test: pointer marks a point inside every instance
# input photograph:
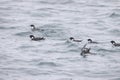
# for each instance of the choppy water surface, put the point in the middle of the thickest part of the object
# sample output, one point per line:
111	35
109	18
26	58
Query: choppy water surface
57	58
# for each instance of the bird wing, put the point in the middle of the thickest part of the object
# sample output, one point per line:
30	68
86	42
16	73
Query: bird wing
84	46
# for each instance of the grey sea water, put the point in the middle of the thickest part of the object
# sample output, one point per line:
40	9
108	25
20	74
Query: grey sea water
57	58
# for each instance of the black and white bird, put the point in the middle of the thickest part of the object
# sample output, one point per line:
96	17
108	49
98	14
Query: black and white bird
33	28
71	38
114	43
90	41
36	38
85	51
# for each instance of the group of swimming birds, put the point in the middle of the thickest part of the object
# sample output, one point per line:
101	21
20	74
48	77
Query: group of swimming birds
84	50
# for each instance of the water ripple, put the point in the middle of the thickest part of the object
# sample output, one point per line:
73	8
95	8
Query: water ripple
58	58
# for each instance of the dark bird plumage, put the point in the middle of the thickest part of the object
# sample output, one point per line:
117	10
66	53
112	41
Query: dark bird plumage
33	28
36	38
114	43
71	38
85	51
90	41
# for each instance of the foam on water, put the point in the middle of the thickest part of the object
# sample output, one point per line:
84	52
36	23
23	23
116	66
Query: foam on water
58	58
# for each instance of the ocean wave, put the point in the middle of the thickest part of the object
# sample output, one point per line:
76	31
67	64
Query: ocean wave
114	14
49	64
57	2
23	34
